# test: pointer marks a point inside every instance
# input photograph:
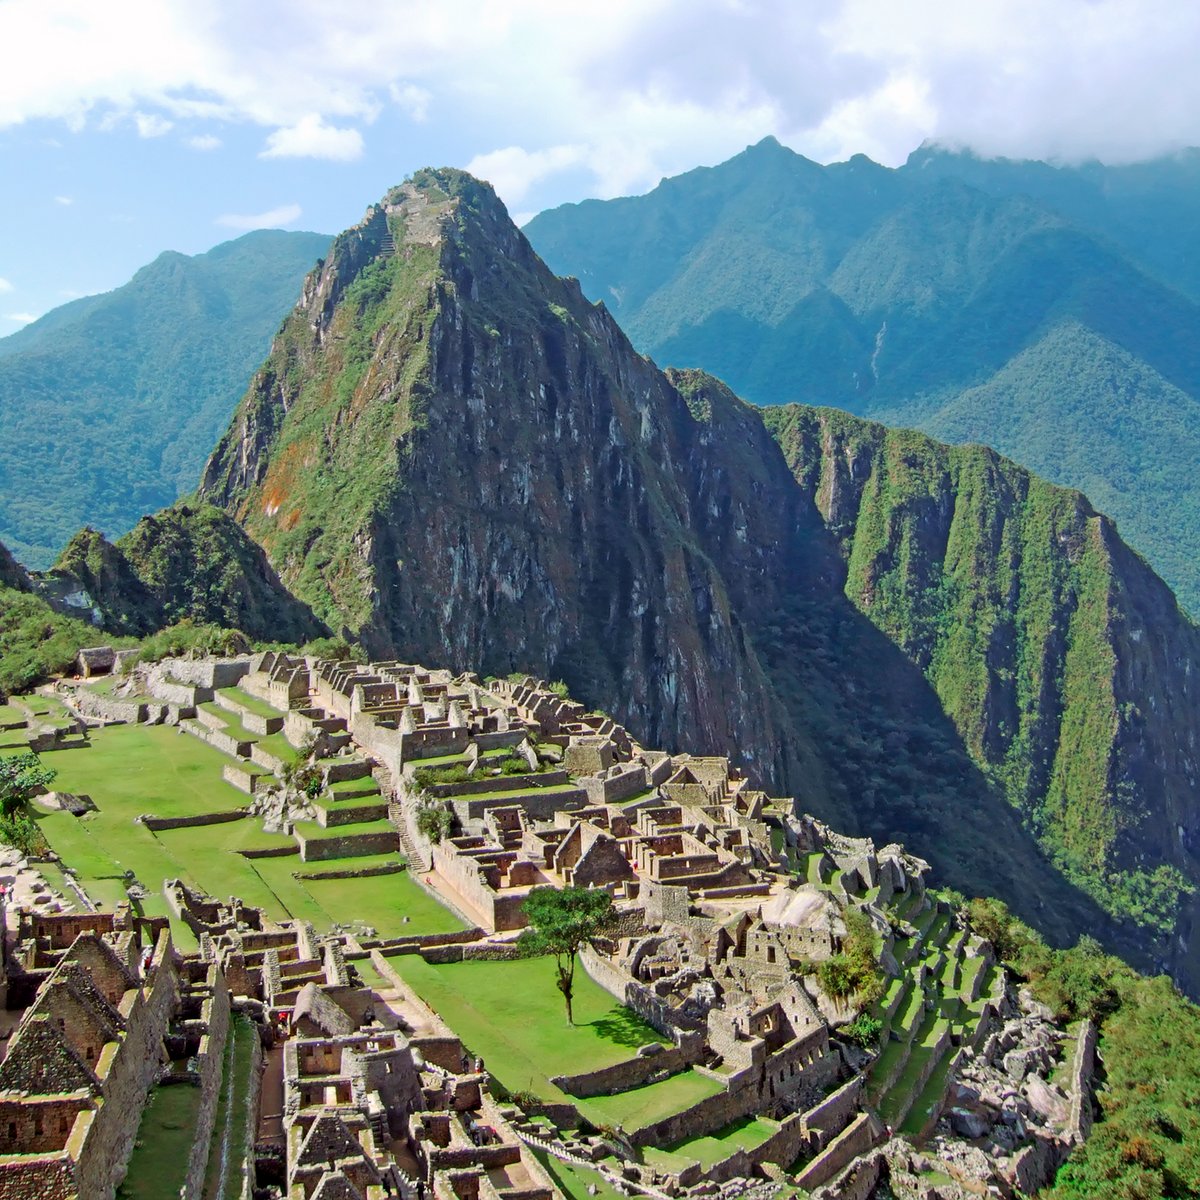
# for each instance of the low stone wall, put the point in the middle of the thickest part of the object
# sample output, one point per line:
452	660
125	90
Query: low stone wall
423	941
1079	1123
342	770
650	1061
473	951
271	852
388	868
833	1114
353	845
479	785
105	708
183	694
211	1071
858	1183
343	812
636	996
217	818
704	1117
209	672
861	1135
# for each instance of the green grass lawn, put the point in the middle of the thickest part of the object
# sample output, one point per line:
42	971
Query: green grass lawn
10	713
164	1140
574	1181
643	1105
134	769
382	901
931	1096
251	703
746	1134
511	1014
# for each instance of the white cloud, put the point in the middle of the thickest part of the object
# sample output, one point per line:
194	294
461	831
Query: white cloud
5	286
21	318
514	171
205	142
411	99
151	125
65	201
310	137
628	90
273	218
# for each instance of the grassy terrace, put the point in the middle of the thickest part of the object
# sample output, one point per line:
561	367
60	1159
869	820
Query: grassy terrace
250	703
511	1015
160	1156
744	1134
129	770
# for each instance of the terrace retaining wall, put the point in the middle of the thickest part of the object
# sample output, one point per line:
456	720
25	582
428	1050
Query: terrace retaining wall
211	1071
196	819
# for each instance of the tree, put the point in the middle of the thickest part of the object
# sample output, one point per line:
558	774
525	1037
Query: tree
561	921
21	776
434	820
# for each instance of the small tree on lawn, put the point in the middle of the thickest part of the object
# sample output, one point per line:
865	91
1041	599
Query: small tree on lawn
21	776
561	922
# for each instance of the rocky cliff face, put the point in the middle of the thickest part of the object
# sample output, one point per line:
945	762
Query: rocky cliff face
453	456
1063	660
12	574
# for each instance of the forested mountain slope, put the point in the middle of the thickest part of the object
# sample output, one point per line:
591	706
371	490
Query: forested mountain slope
1050	313
110	404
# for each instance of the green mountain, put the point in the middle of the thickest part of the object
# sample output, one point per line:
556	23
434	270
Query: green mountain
1048	312
453	456
110	403
188	562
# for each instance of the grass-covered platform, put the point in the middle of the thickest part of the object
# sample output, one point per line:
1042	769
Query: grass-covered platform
512	1016
131	770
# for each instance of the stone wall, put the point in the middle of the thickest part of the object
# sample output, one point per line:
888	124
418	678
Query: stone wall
653	1059
210	672
211	1059
105	708
133	1069
1079	1123
350	846
655	1011
858	1183
217	818
861	1135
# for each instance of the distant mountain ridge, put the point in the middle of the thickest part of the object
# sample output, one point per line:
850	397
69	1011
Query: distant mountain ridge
1040	310
111	403
451	454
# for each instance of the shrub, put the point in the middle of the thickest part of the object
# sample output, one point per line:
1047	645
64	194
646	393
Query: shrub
435	821
863	1031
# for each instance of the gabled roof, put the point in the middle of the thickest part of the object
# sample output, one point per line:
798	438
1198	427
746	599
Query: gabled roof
326	1014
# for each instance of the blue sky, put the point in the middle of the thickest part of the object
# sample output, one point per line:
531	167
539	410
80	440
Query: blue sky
130	127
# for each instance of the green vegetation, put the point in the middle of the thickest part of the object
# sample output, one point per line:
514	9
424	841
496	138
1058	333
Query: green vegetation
853	974
22	776
35	641
984	313
562	921
118	399
159	1161
129	770
1146	1143
508	1013
435	820
1013	597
